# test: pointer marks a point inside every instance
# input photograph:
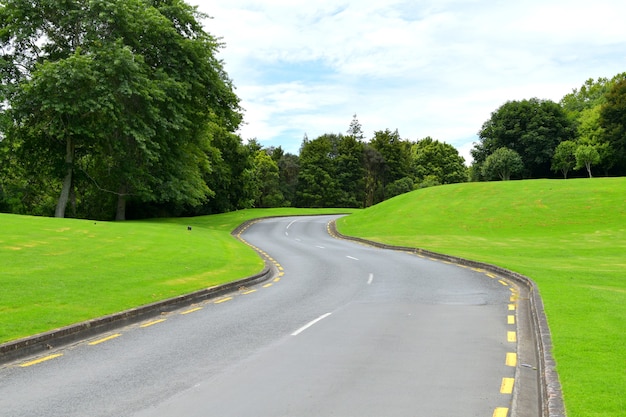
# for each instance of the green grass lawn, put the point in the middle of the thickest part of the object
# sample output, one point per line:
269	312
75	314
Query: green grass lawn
568	236
56	272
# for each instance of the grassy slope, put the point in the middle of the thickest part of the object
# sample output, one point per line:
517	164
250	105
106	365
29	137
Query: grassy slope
55	272
568	236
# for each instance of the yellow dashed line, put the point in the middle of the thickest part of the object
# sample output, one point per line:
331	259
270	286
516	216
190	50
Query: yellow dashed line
510	320
152	323
507	385
511	336
513	298
276	279
500	412
503	283
44	359
223	300
511	307
511	359
268	285
191	310
490	275
248	292
104	339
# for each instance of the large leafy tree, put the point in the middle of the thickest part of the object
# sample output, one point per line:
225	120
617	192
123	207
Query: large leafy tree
533	128
613	120
120	91
584	107
317	181
396	154
503	163
438	161
350	171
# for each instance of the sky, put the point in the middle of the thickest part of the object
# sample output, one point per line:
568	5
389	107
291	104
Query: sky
435	68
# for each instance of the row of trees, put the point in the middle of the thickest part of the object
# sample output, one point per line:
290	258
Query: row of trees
120	108
533	138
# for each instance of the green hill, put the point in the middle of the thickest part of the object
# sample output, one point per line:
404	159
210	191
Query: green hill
568	236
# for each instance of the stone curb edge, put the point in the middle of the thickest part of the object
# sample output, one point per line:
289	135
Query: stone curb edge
36	344
551	393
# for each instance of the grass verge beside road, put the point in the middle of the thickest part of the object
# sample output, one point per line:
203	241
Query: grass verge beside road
55	272
568	236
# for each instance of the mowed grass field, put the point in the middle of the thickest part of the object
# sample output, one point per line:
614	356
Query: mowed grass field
55	272
569	236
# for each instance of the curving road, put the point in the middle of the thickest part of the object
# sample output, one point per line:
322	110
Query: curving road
343	330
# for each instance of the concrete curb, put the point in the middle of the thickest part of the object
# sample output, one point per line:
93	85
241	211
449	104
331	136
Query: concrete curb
551	394
42	342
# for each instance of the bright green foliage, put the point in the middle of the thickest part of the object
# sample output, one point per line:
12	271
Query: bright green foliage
439	161
568	236
113	98
350	172
317	182
532	128
502	164
564	159
586	156
396	154
267	178
584	107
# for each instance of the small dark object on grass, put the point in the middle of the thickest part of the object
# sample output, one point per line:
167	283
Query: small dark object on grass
188	227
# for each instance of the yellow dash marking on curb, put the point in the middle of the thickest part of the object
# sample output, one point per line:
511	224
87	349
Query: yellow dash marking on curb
507	385
104	339
249	292
36	361
503	283
501	412
490	275
223	300
191	310
268	285
277	279
280	268
511	359
510	320
511	336
152	323
511	307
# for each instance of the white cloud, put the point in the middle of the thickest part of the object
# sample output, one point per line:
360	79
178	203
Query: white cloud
429	68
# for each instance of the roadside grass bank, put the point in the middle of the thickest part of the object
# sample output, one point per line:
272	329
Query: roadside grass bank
56	272
569	236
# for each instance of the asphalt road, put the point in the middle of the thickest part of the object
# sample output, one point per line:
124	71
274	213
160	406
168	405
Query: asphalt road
343	330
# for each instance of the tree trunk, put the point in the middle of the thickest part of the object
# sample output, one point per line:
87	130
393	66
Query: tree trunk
120	213
67	181
589	170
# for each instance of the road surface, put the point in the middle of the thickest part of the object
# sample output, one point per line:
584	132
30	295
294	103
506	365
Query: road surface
344	329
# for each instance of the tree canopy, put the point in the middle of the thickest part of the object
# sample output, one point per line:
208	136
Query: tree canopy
113	97
533	128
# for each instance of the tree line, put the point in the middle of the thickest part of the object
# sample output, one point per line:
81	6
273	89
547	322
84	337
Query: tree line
116	109
540	138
